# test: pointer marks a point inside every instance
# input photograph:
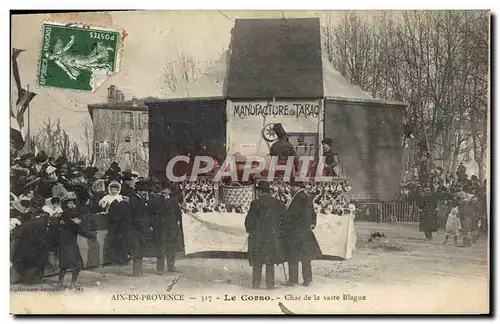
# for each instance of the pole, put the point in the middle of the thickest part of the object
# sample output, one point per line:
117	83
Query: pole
29	132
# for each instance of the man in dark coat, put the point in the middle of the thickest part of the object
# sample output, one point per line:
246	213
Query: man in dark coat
166	220
139	226
69	229
299	241
263	225
31	249
282	147
466	214
114	172
330	158
428	221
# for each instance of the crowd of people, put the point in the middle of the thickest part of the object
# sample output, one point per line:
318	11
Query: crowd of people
455	203
53	201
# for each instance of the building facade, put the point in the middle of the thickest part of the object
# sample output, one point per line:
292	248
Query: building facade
121	132
275	71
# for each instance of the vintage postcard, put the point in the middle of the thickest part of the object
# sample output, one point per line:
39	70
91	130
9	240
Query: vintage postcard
250	162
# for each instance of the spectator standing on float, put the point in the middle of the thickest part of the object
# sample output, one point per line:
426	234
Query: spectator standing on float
69	251
330	158
299	241
263	225
282	148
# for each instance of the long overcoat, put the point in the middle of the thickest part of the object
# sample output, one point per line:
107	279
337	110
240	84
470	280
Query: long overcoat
31	248
428	220
139	226
466	214
69	251
166	220
118	226
263	225
299	241
282	149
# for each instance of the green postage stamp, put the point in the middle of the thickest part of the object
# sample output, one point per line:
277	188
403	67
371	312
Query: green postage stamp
77	56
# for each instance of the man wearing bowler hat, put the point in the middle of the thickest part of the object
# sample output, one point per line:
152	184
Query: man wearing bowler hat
139	226
300	244
263	225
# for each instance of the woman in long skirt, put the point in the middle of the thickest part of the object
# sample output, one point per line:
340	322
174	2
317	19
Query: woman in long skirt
69	251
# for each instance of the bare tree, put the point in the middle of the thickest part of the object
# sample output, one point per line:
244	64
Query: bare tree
55	141
435	61
179	72
88	138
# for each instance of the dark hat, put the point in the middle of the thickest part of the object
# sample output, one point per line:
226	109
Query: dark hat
142	186
41	157
91	170
156	187
279	130
60	161
55	200
127	176
263	185
327	141
114	164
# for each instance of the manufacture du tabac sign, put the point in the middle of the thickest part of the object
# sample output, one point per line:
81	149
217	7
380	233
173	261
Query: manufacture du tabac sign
272	109
247	119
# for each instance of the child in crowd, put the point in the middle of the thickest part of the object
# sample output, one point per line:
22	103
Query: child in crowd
452	225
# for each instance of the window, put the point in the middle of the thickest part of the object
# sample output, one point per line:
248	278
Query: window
127	159
144	120
145	144
126	120
102	150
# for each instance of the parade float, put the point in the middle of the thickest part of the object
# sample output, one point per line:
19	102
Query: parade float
230	110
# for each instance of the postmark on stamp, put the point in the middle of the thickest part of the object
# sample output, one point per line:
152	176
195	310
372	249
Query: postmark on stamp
78	57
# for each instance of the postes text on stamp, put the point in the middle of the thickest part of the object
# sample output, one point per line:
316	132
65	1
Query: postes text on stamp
78	57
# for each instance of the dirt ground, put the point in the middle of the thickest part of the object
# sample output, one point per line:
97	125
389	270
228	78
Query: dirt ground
404	274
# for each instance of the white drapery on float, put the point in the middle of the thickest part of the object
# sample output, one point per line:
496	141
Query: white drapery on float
207	232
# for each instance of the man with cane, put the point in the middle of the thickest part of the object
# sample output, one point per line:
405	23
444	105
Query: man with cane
263	224
300	244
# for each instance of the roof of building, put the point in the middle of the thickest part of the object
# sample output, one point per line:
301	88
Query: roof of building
275	58
220	80
138	104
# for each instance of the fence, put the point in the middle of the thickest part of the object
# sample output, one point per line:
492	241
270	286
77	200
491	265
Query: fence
387	212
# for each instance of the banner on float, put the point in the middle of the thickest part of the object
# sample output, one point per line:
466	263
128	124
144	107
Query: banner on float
225	232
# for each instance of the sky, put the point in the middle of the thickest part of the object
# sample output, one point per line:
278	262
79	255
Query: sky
154	39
